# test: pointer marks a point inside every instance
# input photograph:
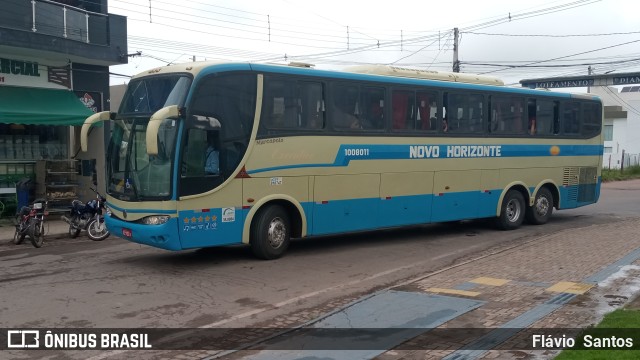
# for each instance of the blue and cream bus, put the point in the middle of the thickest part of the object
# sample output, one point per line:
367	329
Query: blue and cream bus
303	152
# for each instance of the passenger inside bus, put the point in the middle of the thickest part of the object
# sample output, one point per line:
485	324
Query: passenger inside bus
314	122
399	105
344	119
315	119
212	156
532	125
354	122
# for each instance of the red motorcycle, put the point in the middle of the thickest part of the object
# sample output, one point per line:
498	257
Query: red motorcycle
30	221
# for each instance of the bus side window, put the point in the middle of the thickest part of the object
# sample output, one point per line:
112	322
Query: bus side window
556	117
426	111
279	106
531	116
345	110
372	115
570	118
194	153
592	120
311	105
544	115
445	113
400	107
465	113
506	115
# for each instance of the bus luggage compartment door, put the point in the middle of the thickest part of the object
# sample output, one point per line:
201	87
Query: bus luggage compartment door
455	195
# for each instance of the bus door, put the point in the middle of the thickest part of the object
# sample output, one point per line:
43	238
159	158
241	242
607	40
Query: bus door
456	195
215	138
207	218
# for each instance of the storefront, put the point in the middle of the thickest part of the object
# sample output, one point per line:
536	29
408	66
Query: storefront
39	114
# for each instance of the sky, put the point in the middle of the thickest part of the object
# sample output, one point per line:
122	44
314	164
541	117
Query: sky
508	39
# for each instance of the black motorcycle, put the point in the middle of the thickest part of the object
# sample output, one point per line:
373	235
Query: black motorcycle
89	217
30	221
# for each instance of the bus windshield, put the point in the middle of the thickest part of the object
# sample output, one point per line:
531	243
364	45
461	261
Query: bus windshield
132	174
150	94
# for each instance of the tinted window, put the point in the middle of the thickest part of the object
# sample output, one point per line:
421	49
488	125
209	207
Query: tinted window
357	108
463	113
293	105
414	110
545	116
592	120
570	118
507	115
148	95
221	116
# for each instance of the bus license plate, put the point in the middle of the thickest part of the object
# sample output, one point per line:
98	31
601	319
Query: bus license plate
127	232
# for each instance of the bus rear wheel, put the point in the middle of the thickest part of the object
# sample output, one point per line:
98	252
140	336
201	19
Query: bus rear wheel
270	233
542	208
512	211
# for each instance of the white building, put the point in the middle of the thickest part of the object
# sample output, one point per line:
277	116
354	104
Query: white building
621	125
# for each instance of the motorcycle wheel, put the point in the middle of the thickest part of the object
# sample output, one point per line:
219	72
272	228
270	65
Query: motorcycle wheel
97	230
18	237
36	232
73	232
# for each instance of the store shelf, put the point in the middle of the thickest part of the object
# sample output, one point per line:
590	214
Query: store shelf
60	183
60	186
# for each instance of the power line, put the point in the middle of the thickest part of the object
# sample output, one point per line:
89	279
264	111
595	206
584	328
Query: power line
553	36
515	16
552	66
563	57
257	21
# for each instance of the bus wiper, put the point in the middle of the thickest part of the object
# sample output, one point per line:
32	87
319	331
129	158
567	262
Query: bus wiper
130	181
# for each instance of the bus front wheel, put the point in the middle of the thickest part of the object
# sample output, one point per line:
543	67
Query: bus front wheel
512	211
542	208
270	233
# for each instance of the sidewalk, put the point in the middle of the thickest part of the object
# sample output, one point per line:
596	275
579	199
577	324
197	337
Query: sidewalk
54	228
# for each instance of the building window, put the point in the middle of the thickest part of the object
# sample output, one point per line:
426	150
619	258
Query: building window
608	133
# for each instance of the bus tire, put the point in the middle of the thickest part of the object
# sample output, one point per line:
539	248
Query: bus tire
512	212
270	232
542	208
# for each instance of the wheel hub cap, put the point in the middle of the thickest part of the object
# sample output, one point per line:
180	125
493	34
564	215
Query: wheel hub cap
513	210
542	206
277	232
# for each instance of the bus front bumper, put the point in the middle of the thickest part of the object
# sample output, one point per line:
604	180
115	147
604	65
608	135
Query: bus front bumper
164	236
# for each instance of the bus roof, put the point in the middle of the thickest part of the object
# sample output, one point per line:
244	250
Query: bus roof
386	72
390	70
382	70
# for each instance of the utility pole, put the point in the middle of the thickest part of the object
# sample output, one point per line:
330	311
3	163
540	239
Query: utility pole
456	63
589	71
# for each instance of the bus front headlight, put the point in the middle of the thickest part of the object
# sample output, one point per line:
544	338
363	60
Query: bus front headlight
155	220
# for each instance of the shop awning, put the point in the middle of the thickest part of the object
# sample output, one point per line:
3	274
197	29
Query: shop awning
35	106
